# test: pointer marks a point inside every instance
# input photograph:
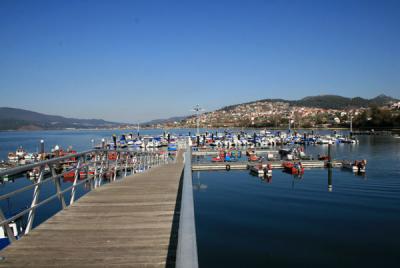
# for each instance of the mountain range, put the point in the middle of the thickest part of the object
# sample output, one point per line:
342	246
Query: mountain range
19	119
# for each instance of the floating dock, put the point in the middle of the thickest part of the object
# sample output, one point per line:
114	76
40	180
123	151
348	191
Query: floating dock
246	165
216	152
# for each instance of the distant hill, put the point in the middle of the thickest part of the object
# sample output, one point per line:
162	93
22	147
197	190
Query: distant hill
163	121
328	102
19	119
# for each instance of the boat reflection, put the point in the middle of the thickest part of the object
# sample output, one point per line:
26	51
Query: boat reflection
198	186
330	187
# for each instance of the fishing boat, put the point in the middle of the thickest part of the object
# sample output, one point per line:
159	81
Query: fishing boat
355	166
293	168
261	169
69	176
35	173
18	155
12	157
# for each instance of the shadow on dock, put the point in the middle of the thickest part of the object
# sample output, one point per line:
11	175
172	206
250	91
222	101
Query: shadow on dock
173	239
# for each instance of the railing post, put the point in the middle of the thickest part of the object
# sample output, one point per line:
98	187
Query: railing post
126	164
6	228
116	167
36	192
57	182
100	174
73	191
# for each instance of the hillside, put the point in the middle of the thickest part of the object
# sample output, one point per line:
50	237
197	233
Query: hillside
19	119
326	102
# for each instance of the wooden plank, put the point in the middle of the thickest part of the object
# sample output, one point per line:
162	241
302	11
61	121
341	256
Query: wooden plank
127	223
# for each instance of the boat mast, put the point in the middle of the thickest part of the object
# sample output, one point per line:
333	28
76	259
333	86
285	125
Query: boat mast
351	123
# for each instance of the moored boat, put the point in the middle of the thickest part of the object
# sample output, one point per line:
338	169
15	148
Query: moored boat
355	166
261	169
293	168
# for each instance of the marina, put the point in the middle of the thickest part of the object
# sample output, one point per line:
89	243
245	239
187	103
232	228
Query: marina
115	165
211	134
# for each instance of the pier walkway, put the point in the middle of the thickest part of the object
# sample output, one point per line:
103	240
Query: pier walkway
129	223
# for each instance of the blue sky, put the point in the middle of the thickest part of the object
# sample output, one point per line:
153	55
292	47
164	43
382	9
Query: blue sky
138	60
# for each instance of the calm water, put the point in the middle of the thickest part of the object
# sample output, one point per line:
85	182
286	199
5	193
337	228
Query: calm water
244	221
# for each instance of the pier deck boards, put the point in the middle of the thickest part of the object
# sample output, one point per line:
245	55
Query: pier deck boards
128	223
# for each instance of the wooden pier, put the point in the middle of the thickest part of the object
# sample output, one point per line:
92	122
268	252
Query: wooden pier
246	165
128	223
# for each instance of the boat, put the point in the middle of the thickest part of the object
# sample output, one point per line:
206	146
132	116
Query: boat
12	157
172	147
323	157
16	226
253	158
293	168
217	159
261	169
69	176
18	155
35	173
355	166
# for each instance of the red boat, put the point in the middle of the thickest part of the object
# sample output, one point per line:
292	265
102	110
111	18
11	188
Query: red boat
112	156
253	157
69	176
293	168
217	159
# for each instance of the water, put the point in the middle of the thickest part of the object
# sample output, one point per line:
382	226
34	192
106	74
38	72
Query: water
319	220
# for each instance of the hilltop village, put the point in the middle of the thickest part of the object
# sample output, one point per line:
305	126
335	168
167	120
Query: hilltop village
278	114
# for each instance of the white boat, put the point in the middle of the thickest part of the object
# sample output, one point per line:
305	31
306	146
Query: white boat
13	157
356	166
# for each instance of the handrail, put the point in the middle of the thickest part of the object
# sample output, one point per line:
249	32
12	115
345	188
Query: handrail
106	165
186	255
19	169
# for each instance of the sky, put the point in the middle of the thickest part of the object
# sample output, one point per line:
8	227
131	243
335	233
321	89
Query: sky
133	61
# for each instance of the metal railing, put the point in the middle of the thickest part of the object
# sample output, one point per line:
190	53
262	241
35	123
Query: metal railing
186	255
103	164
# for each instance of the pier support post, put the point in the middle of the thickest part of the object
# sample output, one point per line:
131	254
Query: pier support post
57	182
36	192
73	191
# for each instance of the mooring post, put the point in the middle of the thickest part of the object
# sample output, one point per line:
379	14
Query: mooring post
329	164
